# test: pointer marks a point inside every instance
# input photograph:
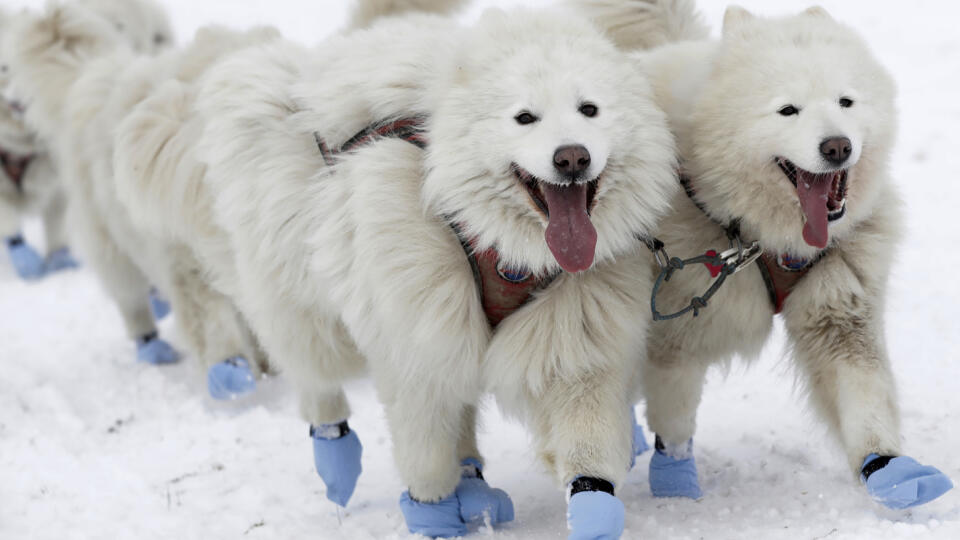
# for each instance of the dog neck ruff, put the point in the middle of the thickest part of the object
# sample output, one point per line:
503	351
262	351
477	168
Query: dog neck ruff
502	289
781	273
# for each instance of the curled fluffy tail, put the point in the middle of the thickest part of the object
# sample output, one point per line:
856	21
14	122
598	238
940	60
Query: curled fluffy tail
644	24
365	12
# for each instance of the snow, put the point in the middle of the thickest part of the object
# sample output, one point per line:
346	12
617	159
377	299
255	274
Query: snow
94	445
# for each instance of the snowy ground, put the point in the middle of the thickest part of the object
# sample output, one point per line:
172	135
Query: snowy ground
93	445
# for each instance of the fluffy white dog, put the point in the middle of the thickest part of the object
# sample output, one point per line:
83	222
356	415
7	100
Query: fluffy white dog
450	209
785	128
28	186
81	78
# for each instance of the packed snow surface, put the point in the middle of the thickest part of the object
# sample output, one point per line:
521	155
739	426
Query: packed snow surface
94	445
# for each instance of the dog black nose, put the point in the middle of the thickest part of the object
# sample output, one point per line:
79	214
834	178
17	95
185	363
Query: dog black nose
836	150
572	160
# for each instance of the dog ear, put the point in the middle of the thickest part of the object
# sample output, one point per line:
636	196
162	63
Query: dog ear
818	11
735	18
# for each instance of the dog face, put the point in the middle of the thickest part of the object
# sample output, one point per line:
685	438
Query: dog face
797	120
546	144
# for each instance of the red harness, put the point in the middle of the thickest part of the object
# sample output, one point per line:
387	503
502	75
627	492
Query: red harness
15	167
502	290
780	273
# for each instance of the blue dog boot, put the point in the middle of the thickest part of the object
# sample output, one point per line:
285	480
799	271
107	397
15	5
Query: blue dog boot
26	261
640	445
437	520
336	454
673	472
593	512
478	501
231	379
153	350
59	260
901	482
159	305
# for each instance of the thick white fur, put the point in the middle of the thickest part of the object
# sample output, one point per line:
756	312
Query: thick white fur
722	99
40	193
102	79
354	267
365	12
644	24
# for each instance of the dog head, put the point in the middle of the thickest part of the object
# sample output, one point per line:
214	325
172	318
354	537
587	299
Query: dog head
547	145
144	24
794	129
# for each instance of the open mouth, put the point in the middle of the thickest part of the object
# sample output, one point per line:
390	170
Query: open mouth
534	187
823	199
570	234
14	167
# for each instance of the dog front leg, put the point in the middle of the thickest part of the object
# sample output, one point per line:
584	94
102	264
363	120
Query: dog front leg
837	336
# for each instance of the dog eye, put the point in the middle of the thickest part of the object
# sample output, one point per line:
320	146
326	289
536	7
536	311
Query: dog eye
846	103
589	110
789	110
525	118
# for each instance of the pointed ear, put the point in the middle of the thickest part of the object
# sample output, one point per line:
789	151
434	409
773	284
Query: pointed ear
818	11
735	18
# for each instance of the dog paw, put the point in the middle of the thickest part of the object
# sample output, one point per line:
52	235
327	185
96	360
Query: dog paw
153	350
60	260
478	501
901	482
674	476
441	519
230	379
28	264
595	515
336	455
159	305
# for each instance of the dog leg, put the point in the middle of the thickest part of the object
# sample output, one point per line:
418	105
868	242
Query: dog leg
58	252
124	283
336	447
835	324
211	325
673	390
478	501
585	430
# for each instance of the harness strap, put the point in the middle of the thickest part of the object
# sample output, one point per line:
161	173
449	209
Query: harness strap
15	167
779	277
502	290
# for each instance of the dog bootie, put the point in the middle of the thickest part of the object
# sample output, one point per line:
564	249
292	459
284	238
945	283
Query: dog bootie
674	473
153	350
441	519
159	305
901	482
26	261
231	379
336	454
478	501
639	440
593	512
59	260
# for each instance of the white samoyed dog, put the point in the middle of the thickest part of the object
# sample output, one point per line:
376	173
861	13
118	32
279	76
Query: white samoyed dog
785	128
80	78
450	209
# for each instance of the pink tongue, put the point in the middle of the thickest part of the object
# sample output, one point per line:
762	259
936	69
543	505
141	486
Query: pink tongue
814	191
570	234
